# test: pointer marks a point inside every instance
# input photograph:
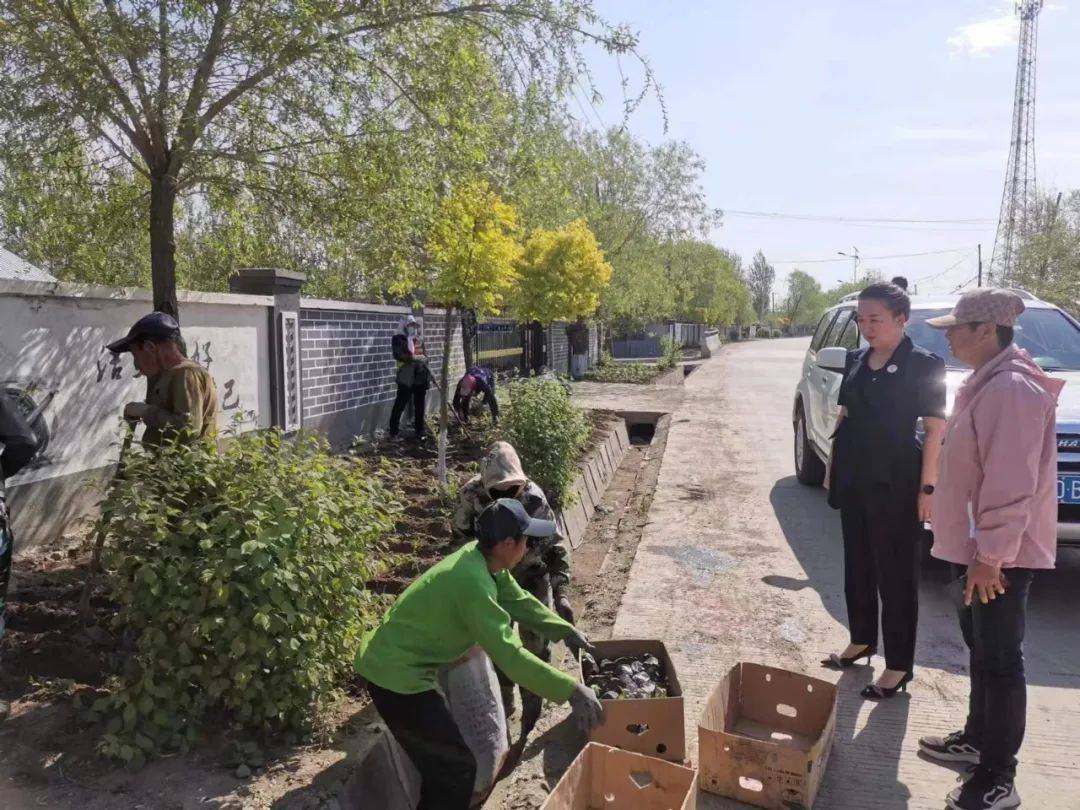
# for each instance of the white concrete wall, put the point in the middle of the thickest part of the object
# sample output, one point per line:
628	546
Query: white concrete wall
52	349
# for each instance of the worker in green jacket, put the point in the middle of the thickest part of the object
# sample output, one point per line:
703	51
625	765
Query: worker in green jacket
467	599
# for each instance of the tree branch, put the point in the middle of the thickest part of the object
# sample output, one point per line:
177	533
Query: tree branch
163	70
289	57
139	137
190	126
137	77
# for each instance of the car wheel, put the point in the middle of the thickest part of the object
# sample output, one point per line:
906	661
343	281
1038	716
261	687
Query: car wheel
809	469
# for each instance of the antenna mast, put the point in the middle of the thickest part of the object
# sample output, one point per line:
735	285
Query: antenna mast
1018	201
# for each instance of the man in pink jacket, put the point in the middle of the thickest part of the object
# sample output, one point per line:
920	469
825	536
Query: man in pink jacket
995	520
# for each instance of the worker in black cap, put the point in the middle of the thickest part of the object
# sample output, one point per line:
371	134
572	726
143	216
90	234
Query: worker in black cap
182	402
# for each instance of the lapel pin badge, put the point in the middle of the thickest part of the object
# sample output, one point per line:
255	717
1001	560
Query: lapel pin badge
891	369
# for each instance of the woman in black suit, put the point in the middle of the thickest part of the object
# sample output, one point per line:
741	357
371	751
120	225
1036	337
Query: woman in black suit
882	480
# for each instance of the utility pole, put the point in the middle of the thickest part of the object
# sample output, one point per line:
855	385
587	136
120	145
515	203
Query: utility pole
855	256
980	264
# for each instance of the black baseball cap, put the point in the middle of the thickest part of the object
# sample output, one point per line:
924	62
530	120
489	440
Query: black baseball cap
155	326
508	518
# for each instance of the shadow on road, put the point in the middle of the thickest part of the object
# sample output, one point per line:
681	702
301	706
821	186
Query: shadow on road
1052	647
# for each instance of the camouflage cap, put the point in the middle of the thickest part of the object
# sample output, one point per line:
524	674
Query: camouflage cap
984	305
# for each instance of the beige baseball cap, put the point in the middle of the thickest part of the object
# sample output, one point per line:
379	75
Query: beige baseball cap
984	305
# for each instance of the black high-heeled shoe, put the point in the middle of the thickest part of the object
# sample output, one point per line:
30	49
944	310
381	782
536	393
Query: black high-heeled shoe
875	692
834	661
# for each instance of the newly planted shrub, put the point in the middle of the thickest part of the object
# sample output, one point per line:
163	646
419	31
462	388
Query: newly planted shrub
670	353
547	430
240	579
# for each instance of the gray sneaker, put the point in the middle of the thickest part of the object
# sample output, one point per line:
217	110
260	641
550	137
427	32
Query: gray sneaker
983	790
953	748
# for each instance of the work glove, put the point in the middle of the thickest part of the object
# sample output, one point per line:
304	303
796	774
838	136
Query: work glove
585	708
578	643
562	607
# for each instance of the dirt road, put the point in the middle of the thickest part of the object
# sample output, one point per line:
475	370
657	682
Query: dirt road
740	562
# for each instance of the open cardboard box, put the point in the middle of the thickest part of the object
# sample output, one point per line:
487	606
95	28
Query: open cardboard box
605	778
651	726
765	736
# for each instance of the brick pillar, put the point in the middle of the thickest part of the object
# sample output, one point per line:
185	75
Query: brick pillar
286	392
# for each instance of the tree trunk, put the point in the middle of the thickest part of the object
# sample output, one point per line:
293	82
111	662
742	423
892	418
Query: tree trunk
163	242
468	336
444	400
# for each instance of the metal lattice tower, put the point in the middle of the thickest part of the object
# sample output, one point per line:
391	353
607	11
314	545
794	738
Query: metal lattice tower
1018	201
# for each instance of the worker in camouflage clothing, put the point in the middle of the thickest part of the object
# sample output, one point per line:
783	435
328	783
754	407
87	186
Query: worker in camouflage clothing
544	571
182	401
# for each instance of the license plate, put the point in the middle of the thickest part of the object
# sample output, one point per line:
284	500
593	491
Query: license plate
1068	489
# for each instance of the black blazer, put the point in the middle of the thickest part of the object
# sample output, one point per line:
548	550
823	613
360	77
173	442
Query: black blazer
876	441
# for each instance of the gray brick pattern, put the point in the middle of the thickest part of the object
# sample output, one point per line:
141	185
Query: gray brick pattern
434	328
558	348
347	361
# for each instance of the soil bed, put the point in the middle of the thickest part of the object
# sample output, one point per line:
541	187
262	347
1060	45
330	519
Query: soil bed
51	663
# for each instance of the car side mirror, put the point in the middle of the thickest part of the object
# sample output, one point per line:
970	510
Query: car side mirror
833	358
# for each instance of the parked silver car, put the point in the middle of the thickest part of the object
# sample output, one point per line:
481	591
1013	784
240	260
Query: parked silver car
1050	335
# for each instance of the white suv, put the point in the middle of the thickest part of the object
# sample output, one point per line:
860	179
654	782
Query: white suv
1050	335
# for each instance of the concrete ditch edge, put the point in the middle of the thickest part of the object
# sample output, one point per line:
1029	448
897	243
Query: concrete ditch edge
591	482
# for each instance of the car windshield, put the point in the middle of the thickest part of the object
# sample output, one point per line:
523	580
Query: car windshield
1048	335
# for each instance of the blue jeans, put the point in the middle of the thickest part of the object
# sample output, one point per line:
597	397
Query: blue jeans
994	633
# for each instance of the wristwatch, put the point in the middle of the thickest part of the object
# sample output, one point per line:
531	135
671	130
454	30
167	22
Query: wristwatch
928	489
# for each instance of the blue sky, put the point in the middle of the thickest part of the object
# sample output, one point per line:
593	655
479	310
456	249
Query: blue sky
895	109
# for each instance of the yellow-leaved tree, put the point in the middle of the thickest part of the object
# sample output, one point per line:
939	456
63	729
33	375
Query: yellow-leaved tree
563	273
475	252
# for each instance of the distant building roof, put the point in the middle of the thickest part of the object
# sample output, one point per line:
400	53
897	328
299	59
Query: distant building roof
11	266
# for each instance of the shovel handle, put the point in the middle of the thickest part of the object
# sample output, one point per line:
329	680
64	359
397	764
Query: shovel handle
99	535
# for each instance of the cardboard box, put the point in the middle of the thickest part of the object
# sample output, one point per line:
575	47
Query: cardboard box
605	778
650	726
765	736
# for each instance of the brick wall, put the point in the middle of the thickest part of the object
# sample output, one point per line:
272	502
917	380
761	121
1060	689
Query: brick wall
346	358
558	349
594	343
434	331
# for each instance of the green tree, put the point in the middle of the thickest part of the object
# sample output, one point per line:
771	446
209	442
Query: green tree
760	279
1050	259
562	275
706	281
185	91
474	254
805	301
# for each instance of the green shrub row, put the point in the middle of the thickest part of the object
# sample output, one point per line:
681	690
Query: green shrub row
547	430
239	574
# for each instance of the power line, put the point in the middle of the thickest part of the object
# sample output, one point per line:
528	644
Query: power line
946	271
853	220
959	287
874	258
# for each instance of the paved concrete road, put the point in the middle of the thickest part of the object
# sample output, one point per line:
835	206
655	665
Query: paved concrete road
741	562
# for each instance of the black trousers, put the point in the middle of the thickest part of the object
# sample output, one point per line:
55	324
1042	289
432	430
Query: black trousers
418	395
423	726
882	559
997	708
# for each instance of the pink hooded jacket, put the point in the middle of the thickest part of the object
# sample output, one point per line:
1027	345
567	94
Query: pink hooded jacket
996	497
